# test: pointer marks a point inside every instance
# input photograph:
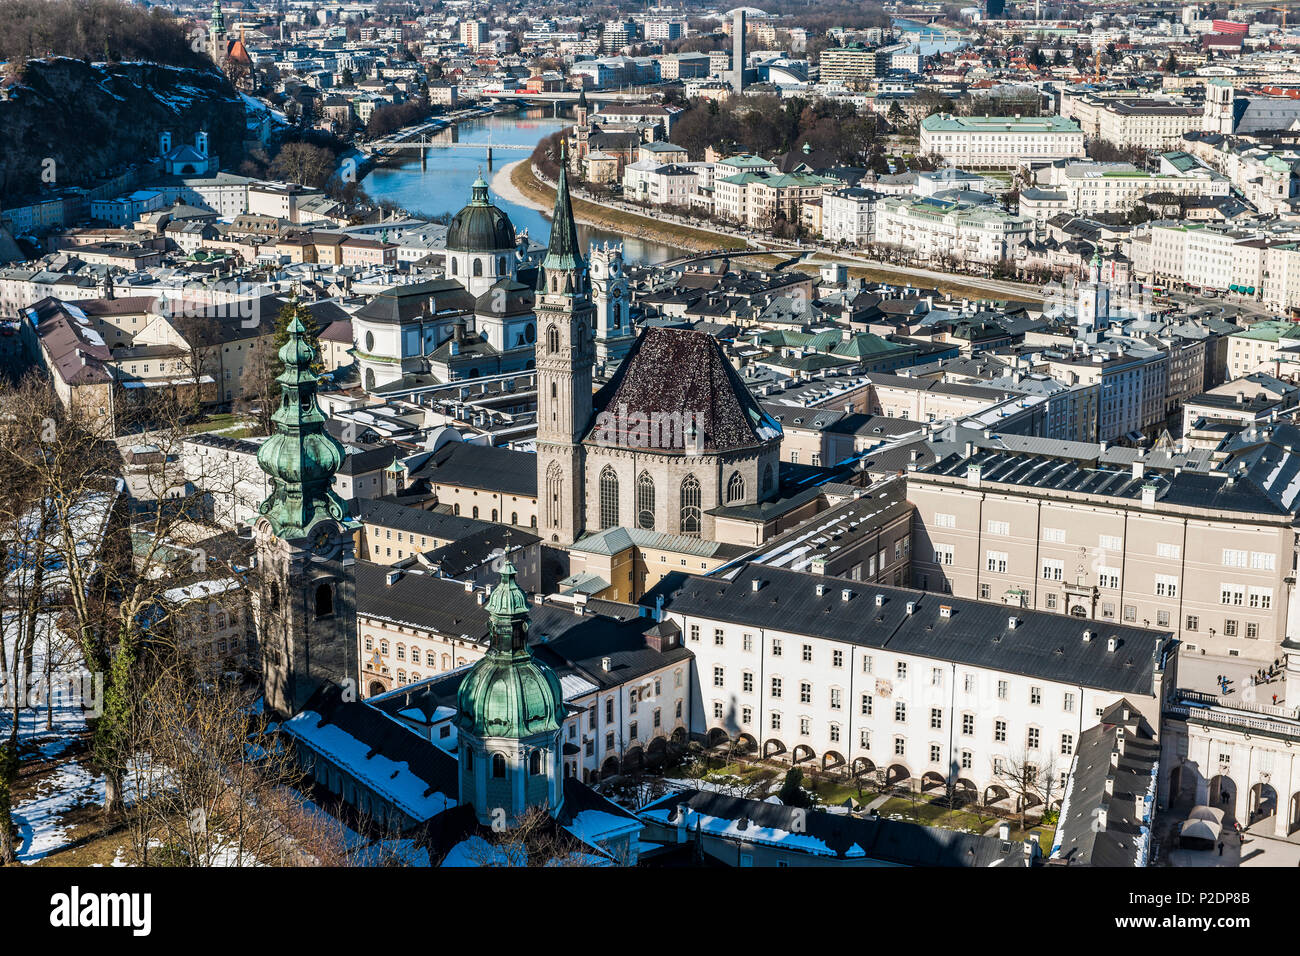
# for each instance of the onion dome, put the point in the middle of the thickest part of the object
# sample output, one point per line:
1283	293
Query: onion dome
508	692
301	457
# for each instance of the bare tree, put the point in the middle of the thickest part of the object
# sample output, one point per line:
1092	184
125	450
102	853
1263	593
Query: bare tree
114	534
1029	778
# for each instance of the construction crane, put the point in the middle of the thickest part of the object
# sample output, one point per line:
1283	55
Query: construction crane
1284	10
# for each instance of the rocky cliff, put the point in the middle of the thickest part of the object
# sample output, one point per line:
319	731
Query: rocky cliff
81	122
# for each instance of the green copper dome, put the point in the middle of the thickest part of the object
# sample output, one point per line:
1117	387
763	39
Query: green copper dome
480	226
509	693
301	457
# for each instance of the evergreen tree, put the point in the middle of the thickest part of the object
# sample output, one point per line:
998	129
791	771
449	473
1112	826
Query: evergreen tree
296	309
791	792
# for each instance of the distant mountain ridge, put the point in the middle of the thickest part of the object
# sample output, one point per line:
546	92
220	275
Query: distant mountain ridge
80	121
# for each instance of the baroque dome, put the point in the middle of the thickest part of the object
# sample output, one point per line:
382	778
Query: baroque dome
508	692
480	226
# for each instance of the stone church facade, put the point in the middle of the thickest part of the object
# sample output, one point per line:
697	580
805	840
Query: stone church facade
673	436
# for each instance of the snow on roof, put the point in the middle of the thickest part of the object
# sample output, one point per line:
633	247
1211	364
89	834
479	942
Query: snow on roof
753	833
200	589
593	827
389	778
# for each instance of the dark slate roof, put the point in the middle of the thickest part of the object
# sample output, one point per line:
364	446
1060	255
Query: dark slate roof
683	372
890	841
472	551
388	738
423	600
409	303
362	461
1050	646
470	465
1080	839
433	524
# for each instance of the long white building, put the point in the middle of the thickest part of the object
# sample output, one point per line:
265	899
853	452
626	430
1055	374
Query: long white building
1000	141
927	687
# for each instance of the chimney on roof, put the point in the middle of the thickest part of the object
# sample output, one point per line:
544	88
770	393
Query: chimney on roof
606	664
1111	644
1004	832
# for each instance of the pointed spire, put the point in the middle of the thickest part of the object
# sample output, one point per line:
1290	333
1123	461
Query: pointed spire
563	252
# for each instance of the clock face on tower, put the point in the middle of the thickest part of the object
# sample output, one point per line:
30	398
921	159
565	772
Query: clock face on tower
322	542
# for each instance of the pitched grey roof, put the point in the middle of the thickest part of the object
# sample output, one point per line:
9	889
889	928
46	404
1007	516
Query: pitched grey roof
1082	839
1050	646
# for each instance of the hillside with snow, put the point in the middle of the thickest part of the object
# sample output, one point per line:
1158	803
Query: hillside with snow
72	123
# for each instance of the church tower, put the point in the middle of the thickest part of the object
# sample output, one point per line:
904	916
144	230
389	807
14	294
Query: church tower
1093	310
614	332
1219	107
566	354
305	562
217	35
509	711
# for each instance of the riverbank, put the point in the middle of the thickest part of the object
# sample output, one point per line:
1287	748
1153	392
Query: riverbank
518	183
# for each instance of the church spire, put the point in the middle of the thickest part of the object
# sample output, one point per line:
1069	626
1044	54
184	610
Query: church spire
563	252
301	457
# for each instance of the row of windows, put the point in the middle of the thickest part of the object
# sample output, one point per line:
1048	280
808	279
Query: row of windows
1033	736
689	499
429	659
835	699
1231	557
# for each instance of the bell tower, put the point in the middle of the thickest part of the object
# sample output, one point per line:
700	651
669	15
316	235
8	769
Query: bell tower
566	320
217	35
1219	107
510	708
609	292
305	558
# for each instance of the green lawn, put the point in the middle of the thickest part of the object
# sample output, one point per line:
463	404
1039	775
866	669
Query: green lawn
228	424
933	815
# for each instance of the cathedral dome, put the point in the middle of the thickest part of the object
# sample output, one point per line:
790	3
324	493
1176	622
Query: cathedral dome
508	692
480	226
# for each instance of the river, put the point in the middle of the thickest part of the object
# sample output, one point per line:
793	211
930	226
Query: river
445	185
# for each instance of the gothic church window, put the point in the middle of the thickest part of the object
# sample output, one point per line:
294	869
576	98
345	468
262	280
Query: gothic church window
690	506
552	339
735	487
645	502
608	498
